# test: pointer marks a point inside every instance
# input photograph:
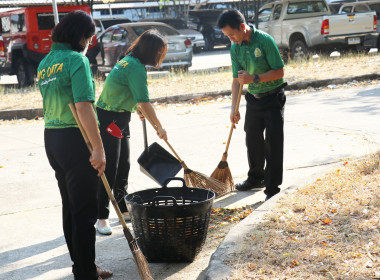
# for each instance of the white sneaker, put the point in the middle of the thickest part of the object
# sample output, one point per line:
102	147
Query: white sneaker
103	230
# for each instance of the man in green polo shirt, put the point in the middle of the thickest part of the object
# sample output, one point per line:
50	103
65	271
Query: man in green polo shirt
256	61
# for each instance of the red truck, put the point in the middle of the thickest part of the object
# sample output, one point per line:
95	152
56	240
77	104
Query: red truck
26	38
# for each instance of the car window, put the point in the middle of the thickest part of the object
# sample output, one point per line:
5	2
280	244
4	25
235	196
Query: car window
264	15
164	30
98	24
109	22
335	7
375	7
277	12
307	7
177	24
17	23
5	25
346	10
360	8
106	38
119	35
46	20
222	6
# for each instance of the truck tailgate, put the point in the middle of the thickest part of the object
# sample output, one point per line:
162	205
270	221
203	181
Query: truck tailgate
353	23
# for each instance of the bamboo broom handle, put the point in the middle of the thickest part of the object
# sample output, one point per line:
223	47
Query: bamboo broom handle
156	128
103	177
232	124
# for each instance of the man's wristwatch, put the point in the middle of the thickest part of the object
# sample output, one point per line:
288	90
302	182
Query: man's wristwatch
256	79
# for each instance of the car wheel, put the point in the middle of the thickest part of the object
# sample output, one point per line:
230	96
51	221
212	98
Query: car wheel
185	68
25	73
285	56
196	49
209	43
362	49
299	50
180	69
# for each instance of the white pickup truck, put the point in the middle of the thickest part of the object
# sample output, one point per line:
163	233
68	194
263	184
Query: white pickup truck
302	26
359	7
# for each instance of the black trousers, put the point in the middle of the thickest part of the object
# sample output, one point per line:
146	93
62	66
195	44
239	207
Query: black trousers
264	127
117	160
77	181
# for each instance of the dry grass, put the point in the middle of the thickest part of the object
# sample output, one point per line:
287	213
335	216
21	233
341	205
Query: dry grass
323	68
327	230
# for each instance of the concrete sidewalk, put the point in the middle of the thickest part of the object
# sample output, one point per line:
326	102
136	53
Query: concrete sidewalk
320	129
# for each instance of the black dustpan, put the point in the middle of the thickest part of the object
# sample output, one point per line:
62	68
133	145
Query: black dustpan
156	162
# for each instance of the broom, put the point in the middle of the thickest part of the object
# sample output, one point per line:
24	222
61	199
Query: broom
222	172
192	178
140	260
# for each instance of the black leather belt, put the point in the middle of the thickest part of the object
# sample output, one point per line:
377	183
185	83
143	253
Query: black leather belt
273	91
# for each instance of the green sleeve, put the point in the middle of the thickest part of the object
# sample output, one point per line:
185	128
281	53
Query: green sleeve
272	54
234	61
137	80
81	79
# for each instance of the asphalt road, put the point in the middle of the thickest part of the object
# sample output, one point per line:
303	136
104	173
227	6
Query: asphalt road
321	129
219	57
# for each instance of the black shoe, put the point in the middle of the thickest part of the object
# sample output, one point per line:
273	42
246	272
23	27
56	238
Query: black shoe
269	196
249	185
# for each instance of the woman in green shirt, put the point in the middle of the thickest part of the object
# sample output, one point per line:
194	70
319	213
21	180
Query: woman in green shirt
64	77
125	88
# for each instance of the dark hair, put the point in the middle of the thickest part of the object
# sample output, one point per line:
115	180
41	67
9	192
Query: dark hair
231	17
147	48
72	28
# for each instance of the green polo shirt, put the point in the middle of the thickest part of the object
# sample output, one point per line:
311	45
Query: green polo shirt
258	56
125	86
64	76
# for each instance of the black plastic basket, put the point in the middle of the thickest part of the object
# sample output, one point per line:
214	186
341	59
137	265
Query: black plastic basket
170	224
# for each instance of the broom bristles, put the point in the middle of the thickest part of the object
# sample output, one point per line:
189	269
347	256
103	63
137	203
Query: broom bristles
199	180
141	262
223	174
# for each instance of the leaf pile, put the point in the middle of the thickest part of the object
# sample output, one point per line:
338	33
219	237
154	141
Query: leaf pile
327	230
221	221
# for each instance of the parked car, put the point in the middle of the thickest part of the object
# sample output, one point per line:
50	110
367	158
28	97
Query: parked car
115	41
103	23
302	26
375	6
206	24
362	7
2	52
26	34
196	38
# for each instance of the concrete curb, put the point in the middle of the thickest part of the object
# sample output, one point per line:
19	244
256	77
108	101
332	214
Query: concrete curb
336	81
33	113
218	269
21	114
